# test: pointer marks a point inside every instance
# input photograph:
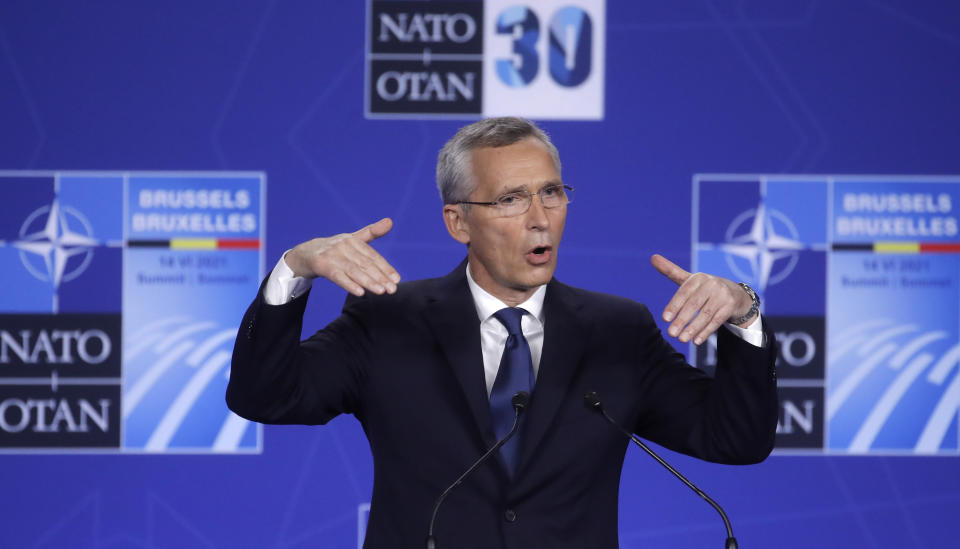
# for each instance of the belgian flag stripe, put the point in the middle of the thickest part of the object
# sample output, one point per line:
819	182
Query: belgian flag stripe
198	243
898	247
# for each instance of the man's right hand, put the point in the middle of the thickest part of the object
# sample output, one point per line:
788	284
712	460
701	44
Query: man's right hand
348	260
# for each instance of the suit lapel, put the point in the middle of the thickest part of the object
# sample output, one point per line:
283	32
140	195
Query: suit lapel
562	352
452	316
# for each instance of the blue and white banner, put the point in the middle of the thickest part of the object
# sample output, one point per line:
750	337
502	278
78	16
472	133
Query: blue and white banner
541	59
122	293
860	277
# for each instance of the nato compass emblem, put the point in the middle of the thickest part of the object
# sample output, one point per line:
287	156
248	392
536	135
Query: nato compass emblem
50	237
765	239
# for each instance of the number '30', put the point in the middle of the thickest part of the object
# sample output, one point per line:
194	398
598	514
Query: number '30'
570	34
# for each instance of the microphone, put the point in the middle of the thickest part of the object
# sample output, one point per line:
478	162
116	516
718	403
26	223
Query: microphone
519	401
592	401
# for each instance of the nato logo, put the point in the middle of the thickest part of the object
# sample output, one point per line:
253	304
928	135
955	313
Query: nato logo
56	234
767	241
99	348
61	242
885	379
538	58
769	233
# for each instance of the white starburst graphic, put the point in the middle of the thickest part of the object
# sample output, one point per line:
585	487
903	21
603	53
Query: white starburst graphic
56	242
762	246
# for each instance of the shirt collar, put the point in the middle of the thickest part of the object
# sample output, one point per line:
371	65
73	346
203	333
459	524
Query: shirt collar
487	304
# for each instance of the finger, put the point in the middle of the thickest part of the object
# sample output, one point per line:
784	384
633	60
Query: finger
712	327
365	270
687	314
341	279
375	264
356	260
669	269
709	311
680	298
366	277
374	231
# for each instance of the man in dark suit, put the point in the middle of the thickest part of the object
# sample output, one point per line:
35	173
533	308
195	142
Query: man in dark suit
428	367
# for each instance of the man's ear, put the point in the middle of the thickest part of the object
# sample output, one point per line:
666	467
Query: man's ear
456	221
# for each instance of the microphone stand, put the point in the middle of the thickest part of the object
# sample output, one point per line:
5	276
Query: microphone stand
592	401
520	401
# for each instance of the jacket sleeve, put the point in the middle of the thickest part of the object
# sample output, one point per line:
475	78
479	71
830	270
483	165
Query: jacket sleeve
730	418
276	378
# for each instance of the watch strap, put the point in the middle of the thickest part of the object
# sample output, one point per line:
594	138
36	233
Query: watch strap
754	308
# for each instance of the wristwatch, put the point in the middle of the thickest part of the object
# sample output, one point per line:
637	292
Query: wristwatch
754	308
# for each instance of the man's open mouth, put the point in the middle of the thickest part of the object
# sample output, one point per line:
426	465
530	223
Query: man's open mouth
539	255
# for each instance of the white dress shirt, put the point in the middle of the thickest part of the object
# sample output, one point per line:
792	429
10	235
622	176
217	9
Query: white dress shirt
283	286
493	334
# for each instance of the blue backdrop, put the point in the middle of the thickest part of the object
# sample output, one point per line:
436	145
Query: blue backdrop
747	86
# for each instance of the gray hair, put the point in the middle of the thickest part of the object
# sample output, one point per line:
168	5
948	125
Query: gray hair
454	177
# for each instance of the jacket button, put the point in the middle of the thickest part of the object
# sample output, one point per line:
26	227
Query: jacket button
510	515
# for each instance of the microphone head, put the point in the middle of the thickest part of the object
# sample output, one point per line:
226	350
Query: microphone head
520	400
592	401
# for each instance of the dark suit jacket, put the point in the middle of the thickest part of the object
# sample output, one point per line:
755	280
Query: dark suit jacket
409	367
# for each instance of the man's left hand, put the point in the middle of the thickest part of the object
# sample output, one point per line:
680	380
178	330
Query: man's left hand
702	303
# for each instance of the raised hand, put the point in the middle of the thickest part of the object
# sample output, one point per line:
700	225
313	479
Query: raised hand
702	303
347	260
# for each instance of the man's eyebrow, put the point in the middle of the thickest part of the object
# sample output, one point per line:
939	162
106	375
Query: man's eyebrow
514	189
519	188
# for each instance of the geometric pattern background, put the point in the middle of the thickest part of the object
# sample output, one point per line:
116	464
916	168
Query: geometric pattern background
701	86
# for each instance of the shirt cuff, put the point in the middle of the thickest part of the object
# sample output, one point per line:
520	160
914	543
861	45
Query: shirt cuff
752	334
282	286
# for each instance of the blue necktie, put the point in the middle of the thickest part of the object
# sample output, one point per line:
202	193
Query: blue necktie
515	374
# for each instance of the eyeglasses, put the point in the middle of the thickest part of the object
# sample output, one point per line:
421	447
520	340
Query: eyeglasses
518	202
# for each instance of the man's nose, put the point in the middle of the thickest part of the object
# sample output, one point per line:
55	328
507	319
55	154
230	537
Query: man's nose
537	214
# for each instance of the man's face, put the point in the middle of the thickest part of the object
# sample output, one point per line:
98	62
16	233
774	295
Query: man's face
510	256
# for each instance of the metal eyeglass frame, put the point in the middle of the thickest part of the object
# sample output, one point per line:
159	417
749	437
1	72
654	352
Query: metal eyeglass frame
567	190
